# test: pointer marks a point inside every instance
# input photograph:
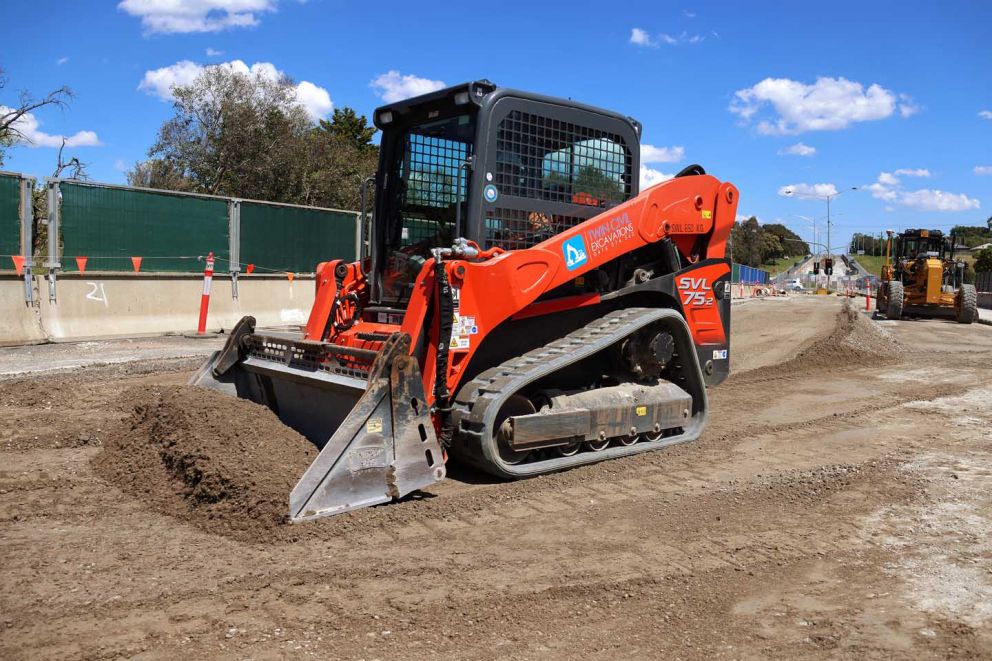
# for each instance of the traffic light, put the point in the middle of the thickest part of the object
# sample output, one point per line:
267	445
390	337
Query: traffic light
828	266
816	268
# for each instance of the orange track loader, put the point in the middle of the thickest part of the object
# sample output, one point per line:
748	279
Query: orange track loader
519	307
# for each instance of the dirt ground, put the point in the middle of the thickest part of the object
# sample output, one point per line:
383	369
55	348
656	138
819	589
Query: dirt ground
839	504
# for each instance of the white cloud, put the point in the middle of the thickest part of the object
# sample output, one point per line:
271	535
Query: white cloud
807	191
829	104
684	38
61	61
985	114
28	126
983	169
907	107
160	82
394	86
212	52
936	200
652	154
314	98
650	177
688	14
888	188
120	165
887	179
640	37
181	16
798	149
882	192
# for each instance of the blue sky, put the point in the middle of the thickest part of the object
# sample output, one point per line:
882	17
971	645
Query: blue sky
894	98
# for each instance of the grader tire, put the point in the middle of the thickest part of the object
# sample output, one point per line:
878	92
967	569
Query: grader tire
966	304
893	308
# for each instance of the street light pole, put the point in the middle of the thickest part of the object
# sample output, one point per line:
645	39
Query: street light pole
829	256
790	192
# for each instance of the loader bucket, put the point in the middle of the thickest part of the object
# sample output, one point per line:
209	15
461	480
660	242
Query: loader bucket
376	439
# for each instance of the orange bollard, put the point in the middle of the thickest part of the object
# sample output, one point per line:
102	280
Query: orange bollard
208	275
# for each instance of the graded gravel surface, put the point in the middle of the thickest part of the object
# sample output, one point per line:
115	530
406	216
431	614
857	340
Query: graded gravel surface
838	505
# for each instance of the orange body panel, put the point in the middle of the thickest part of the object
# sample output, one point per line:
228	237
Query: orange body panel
696	212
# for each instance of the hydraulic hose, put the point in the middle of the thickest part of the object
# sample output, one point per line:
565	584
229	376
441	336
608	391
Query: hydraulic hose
445	309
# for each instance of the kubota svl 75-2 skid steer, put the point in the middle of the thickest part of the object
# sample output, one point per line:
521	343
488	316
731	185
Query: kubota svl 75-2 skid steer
520	306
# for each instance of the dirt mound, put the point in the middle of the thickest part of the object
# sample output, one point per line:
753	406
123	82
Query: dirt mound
854	341
224	464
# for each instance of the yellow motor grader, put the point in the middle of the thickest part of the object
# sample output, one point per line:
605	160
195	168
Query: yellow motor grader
921	278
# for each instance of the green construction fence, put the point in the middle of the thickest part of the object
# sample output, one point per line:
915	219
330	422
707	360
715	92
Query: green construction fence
295	239
10	218
172	232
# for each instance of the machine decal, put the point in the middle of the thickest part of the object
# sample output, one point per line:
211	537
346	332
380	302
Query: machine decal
719	354
610	233
490	193
695	291
574	251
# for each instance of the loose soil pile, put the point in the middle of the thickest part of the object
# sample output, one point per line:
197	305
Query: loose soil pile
854	341
226	465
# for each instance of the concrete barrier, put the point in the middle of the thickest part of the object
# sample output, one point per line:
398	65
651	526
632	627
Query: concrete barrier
985	300
20	322
101	305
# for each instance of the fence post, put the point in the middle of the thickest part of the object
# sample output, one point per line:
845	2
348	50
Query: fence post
234	242
359	235
27	238
53	263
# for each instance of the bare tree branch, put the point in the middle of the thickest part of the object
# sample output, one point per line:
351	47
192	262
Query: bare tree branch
59	97
77	167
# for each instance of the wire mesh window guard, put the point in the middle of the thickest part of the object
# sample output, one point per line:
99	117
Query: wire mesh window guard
552	160
431	169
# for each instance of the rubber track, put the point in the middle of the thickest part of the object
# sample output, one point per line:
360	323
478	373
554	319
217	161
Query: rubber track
481	397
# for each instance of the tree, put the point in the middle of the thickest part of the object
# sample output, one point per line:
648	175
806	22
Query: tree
158	173
745	242
790	243
983	261
75	167
11	116
340	156
971	235
247	135
353	129
233	133
872	245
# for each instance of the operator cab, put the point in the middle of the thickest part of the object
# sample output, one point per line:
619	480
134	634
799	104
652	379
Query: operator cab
496	166
921	244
